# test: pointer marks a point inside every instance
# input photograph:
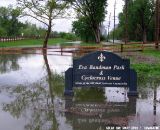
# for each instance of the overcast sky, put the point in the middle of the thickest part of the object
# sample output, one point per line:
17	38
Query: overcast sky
66	24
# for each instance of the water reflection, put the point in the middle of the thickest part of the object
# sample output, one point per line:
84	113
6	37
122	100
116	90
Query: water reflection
9	63
31	98
88	94
33	105
116	94
97	115
34	101
30	67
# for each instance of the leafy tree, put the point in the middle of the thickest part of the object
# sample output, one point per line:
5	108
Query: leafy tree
82	29
2	32
94	11
140	19
31	30
118	33
15	25
45	11
56	34
9	24
4	19
68	36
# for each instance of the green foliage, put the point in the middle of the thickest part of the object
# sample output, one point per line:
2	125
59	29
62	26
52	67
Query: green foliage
9	24
155	53
82	29
44	12
118	33
31	30
97	9
68	36
55	34
151	70
3	32
140	20
147	72
90	14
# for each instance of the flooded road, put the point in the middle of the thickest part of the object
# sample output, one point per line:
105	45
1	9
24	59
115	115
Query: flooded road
31	97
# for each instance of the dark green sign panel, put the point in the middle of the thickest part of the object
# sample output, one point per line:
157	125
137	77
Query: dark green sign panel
101	69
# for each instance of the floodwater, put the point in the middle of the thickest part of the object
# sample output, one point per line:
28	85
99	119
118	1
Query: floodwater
31	97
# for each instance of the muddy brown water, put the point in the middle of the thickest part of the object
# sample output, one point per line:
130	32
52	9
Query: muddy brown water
31	98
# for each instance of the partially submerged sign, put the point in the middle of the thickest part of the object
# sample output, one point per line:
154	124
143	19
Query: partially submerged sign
94	114
101	69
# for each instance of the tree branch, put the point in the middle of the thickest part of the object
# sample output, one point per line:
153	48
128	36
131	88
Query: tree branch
36	18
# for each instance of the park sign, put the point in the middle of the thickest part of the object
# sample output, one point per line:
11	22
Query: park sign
101	69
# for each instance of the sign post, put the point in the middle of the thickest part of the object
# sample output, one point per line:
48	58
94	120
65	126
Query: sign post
101	69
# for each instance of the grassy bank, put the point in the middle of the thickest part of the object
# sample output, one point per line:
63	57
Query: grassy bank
39	42
33	42
155	53
148	75
146	67
148	70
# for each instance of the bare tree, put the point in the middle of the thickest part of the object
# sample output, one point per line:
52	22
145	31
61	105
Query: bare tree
45	11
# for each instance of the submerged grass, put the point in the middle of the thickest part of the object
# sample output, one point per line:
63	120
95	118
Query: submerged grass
148	75
147	69
155	53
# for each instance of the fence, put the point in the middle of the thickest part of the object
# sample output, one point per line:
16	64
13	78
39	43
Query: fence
139	46
135	47
16	38
7	39
130	47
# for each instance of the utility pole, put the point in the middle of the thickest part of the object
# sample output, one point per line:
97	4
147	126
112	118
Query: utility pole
157	20
114	21
126	21
109	23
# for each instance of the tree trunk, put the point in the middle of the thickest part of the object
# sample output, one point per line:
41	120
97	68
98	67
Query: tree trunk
45	43
144	36
86	39
96	31
157	23
48	70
